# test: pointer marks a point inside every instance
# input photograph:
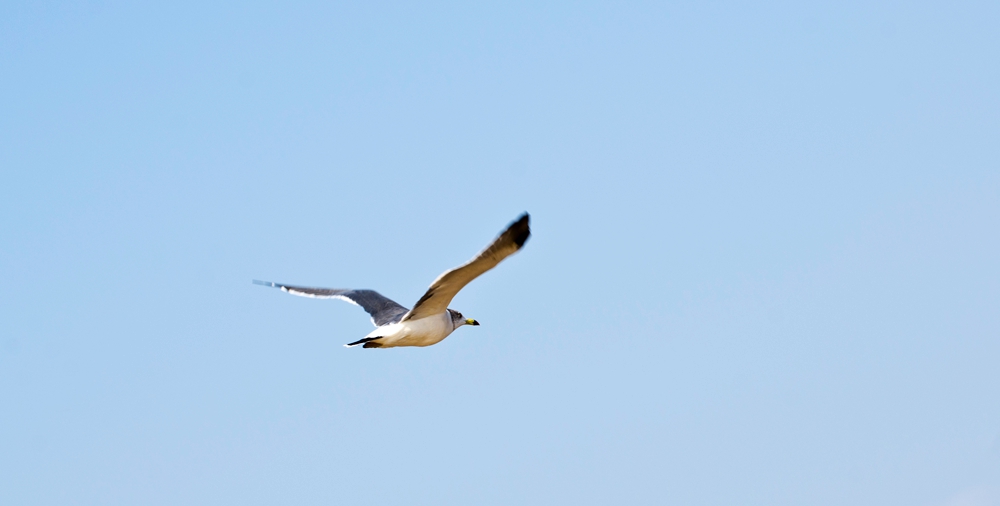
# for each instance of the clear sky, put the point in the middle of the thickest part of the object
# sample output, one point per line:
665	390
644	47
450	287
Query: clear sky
765	267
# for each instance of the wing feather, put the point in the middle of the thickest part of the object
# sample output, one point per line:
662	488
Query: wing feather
382	310
447	285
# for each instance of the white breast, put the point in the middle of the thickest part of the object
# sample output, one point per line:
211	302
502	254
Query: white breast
422	332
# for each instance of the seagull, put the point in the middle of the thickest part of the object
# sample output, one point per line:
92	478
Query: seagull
430	320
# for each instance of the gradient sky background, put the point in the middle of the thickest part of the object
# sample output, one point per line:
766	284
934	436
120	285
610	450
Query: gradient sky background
765	266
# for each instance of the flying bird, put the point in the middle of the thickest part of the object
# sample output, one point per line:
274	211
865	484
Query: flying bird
430	320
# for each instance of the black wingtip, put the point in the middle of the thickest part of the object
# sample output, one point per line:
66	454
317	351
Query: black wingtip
521	230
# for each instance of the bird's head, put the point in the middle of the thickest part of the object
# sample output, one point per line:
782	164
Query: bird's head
458	320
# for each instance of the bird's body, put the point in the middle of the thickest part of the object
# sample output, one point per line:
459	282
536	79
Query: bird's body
423	332
430	320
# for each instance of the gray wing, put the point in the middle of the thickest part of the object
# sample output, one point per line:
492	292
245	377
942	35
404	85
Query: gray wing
382	310
447	285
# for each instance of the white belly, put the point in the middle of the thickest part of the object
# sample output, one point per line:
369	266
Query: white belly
422	332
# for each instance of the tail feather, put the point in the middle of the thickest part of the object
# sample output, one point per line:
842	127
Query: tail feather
366	341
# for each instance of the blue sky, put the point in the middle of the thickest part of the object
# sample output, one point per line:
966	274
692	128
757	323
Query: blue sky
763	271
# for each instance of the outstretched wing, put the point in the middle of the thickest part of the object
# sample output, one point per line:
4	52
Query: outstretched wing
382	310
444	288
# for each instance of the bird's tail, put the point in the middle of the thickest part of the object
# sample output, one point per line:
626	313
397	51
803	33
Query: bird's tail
368	342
